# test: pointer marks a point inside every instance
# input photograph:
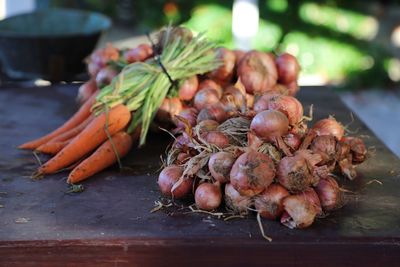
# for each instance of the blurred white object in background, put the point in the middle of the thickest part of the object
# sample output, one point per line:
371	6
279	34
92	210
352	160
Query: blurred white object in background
245	17
14	7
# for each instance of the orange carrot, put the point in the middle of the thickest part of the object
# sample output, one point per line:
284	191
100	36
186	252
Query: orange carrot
75	120
92	136
103	157
72	132
53	147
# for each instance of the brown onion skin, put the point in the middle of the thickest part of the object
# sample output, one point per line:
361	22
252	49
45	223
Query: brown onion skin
169	108
233	98
257	71
188	89
214	112
220	165
205	98
295	173
86	90
329	126
288	68
139	53
168	177
270	124
293	88
357	148
324	145
269	202
239	54
182	158
208	196
253	141
329	193
300	210
105	76
216	138
251	173
236	202
208	83
289	106
225	71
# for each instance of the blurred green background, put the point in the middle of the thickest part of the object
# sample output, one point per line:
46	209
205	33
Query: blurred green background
351	44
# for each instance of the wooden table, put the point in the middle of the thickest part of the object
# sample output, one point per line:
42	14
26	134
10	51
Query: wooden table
110	223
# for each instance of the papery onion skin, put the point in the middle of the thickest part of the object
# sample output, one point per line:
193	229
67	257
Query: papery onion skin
236	202
329	193
105	76
262	102
295	173
325	145
251	173
292	140
99	59
234	99
269	202
168	109
208	196
300	210
220	165
357	148
207	126
189	114
205	98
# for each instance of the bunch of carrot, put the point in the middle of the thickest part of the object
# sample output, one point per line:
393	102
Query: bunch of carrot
119	102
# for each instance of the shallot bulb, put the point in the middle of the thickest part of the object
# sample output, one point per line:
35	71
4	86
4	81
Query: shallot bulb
300	209
293	88
257	71
214	112
271	125
210	84
205	98
325	145
295	173
251	173
99	59
329	193
253	141
329	126
288	68
168	109
262	102
139	53
292	140
189	115
208	196
86	90
169	185
188	88
269	202
289	106
357	148
235	201
225	71
239	54
220	165
233	99
347	168
216	138
105	76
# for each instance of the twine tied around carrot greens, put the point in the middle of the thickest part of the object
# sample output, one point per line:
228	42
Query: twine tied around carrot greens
142	86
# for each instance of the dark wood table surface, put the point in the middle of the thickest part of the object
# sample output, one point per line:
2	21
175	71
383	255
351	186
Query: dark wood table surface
110	223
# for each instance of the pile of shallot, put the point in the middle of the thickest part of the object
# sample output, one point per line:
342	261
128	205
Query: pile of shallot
242	141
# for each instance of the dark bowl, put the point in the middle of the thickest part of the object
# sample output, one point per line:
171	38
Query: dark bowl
50	44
